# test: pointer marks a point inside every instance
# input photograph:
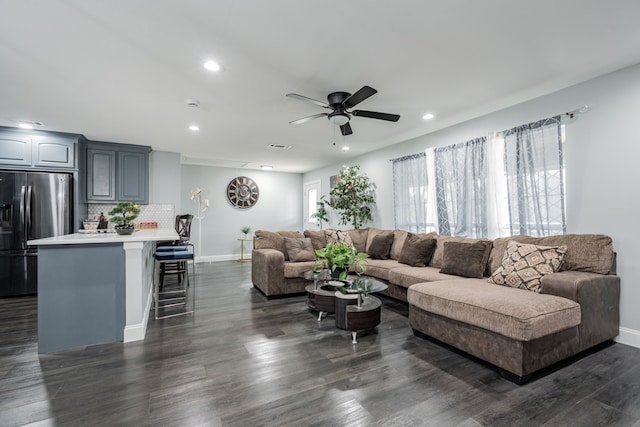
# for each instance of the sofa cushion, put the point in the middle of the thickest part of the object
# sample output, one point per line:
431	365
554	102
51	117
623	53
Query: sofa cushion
269	240
406	276
318	238
417	250
524	265
295	269
399	237
465	259
299	249
359	238
338	237
380	268
436	259
380	246
511	312
373	232
592	253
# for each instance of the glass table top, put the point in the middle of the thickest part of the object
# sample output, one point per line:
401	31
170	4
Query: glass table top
352	284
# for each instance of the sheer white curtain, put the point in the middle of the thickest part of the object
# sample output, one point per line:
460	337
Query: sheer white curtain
461	193
498	224
410	193
534	170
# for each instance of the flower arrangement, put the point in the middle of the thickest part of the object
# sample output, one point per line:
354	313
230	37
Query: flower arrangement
124	213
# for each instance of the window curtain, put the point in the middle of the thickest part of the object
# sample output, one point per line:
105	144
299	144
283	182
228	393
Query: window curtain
410	192
461	195
534	168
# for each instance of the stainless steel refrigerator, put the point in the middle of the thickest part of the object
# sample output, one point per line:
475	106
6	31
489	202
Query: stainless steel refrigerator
33	205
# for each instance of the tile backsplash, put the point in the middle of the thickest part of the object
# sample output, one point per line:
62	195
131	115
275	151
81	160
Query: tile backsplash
164	215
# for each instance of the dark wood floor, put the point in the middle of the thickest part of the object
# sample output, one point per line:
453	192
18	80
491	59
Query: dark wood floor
245	361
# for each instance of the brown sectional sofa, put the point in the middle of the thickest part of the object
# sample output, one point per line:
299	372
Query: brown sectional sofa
516	330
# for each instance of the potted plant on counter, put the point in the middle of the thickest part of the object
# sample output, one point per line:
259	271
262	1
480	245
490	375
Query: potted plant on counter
122	215
338	258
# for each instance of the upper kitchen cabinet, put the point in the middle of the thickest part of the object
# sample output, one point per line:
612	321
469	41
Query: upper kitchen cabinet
37	149
117	172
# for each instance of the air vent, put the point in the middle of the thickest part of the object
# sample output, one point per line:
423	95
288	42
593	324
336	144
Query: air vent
193	103
280	146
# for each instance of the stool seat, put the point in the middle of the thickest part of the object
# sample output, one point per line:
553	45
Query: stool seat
178	256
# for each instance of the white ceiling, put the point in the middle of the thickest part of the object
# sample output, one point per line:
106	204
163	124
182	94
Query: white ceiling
122	71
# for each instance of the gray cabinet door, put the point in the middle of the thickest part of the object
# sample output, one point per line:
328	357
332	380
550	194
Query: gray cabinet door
133	177
53	152
101	175
15	150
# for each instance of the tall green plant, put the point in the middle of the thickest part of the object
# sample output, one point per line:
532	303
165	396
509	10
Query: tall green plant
352	197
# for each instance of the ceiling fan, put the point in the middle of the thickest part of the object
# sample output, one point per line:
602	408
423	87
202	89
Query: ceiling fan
339	103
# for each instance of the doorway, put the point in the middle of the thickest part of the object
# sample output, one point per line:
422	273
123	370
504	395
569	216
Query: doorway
311	197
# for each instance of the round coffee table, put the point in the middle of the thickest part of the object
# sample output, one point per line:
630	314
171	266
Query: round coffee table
355	309
320	296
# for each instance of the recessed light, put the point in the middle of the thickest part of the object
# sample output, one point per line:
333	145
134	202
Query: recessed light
212	66
194	128
345	148
428	116
23	125
266	167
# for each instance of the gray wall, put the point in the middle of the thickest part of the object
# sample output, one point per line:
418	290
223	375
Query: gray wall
164	179
601	154
279	207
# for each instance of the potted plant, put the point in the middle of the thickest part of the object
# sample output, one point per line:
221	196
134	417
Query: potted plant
245	230
338	258
352	197
321	212
123	214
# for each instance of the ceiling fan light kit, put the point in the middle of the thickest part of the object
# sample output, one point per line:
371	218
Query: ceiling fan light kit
339	103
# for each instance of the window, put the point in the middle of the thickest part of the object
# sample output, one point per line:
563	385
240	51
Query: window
410	193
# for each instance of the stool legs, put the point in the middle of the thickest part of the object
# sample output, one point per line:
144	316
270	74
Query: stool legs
183	293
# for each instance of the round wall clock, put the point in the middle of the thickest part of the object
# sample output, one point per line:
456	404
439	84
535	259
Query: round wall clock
242	192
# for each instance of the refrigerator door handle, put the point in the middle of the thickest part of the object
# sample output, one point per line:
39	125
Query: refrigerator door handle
28	209
23	202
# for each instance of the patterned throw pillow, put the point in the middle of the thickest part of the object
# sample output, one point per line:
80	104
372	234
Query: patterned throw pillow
523	265
338	237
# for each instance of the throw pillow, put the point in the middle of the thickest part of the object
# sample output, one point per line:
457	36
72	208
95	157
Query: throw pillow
417	250
299	249
338	237
318	238
524	265
380	246
465	259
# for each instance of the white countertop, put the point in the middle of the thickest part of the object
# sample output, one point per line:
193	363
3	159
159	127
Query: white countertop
83	239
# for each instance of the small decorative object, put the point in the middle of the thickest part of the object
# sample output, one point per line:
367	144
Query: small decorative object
245	230
123	215
243	192
102	223
352	197
339	258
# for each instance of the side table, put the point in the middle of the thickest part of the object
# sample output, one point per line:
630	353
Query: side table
242	258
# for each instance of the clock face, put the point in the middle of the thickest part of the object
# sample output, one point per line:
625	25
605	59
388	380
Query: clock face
243	192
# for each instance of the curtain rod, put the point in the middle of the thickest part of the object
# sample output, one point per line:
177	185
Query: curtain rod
581	110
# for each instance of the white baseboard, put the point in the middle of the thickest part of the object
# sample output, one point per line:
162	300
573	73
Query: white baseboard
629	337
138	331
216	258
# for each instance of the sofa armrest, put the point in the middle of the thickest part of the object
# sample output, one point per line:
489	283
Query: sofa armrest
267	270
599	299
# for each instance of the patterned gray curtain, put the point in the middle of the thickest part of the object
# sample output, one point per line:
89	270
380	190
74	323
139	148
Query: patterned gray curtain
534	168
461	194
410	193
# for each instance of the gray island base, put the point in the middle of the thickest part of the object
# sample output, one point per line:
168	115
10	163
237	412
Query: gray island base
95	289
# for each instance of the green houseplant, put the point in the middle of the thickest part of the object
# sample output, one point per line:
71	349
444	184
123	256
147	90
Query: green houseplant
245	230
321	212
123	214
338	258
352	197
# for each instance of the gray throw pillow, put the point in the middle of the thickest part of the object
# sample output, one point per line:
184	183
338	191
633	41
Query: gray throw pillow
465	259
380	246
417	250
299	249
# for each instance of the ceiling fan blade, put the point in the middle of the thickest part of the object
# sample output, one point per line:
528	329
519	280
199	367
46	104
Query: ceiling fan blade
310	100
346	129
376	115
355	99
308	118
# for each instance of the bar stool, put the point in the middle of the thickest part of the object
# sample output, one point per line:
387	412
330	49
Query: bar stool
180	255
183	228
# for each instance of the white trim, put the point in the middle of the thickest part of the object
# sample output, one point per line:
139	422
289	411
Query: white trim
138	331
629	337
217	258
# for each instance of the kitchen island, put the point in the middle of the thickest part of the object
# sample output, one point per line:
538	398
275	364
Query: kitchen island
95	288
